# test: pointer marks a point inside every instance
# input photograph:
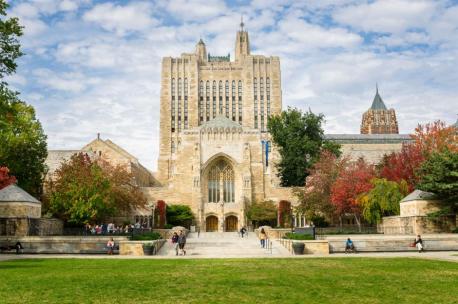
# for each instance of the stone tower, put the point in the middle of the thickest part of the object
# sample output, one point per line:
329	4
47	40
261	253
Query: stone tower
378	119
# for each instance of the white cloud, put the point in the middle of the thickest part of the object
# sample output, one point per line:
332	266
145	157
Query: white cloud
96	67
122	19
386	16
194	10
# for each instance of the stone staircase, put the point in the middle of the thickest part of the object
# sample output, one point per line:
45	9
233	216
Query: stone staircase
224	245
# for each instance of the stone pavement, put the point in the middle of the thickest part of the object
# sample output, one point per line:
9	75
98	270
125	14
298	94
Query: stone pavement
224	245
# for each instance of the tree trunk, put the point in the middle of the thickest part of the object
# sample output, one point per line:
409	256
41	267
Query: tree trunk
358	222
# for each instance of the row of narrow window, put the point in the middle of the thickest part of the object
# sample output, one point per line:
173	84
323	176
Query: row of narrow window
179	106
260	112
213	102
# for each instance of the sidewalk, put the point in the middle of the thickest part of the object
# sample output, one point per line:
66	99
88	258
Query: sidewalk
451	256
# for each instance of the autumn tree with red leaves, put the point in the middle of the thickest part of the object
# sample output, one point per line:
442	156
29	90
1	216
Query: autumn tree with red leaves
403	165
161	208
315	198
352	181
284	214
5	178
435	137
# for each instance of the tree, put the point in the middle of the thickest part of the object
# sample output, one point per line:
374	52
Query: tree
352	181
5	178
383	199
300	139
435	137
23	144
10	31
315	198
284	214
179	215
439	175
261	213
403	165
83	191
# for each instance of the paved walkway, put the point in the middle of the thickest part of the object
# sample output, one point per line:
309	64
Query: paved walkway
224	245
451	256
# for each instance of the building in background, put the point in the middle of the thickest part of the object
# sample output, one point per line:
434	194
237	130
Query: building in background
378	119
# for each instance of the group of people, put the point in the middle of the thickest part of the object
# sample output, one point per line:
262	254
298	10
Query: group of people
111	228
179	240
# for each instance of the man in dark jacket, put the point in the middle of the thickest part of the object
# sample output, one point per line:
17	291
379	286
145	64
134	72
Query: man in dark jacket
182	242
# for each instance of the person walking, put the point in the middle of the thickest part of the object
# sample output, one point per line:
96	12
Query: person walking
175	242
182	242
419	244
263	237
242	231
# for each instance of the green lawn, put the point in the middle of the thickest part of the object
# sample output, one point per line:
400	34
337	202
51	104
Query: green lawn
336	281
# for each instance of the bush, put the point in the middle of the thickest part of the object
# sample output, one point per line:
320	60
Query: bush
320	222
179	215
150	236
168	226
298	236
455	230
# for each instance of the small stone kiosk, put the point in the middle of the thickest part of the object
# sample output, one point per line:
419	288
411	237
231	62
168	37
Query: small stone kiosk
17	210
414	219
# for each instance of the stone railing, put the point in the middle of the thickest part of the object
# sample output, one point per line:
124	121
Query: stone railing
311	247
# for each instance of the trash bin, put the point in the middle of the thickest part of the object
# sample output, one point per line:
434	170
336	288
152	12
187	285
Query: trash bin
298	248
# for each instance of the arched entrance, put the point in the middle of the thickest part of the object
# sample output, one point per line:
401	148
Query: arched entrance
211	223
231	223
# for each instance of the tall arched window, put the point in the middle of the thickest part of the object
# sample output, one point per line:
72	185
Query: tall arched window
220	98
221	183
201	102
240	101
226	93
214	98
234	113
207	97
185	104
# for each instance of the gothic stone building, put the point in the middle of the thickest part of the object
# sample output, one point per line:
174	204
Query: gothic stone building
378	119
215	153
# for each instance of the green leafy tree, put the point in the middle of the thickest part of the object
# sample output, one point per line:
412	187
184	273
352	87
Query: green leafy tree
10	31
383	199
85	191
439	175
22	140
179	215
300	139
262	213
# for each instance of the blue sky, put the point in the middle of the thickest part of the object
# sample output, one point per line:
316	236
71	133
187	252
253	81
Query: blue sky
94	66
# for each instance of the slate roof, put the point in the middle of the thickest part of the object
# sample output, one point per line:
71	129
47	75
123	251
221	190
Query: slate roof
220	122
368	138
14	193
377	103
419	195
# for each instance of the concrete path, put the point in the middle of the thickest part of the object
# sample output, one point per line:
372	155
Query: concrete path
451	256
224	245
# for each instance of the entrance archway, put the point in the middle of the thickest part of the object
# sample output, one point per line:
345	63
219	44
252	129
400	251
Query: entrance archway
231	223
211	223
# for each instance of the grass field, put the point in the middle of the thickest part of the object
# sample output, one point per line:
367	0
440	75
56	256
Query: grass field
337	281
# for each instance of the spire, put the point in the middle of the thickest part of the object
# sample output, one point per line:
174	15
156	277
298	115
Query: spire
241	23
377	103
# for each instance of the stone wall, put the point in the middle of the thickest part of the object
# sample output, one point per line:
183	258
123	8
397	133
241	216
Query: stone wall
20	209
392	243
64	244
414	225
136	247
311	247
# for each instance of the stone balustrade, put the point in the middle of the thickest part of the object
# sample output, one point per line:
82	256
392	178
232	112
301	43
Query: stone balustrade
311	247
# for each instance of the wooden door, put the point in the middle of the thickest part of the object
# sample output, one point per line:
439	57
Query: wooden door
231	223
211	223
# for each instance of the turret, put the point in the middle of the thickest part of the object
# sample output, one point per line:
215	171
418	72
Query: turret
201	51
242	44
